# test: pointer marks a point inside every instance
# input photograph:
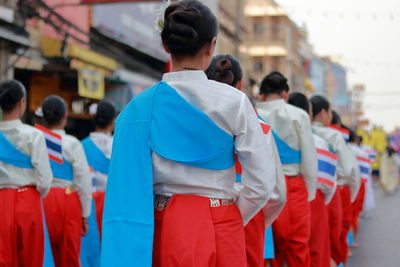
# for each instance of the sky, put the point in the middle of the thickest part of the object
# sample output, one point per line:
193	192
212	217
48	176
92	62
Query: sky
366	36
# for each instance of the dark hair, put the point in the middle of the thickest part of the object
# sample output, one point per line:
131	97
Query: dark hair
274	83
225	69
390	151
353	137
319	103
336	118
105	114
299	100
188	26
54	109
11	92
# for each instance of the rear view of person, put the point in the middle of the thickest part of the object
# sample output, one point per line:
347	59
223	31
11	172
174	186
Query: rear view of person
258	232
25	177
68	203
293	136
320	250
98	146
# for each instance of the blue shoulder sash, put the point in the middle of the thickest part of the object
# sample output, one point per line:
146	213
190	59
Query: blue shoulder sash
287	154
158	120
11	155
96	158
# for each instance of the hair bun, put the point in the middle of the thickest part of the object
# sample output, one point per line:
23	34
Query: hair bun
224	65
181	27
188	26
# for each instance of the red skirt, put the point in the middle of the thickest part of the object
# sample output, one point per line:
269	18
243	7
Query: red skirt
320	249
292	228
99	203
335	226
347	218
21	228
357	207
255	238
190	233
64	223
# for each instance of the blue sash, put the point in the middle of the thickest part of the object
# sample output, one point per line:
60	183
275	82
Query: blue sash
96	158
62	170
269	251
157	120
90	248
287	154
11	155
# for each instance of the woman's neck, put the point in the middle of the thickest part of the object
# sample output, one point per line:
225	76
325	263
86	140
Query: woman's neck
273	97
10	116
187	63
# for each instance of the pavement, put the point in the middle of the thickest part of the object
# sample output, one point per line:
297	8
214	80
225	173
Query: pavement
379	235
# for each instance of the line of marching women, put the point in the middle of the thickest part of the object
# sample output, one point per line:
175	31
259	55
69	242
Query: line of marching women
198	177
46	183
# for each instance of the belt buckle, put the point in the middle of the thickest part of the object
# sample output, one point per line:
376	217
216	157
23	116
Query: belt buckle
215	202
161	202
68	190
23	189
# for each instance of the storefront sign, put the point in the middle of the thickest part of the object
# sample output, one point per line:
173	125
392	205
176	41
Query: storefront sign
91	83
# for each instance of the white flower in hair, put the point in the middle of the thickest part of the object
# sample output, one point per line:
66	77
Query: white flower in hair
159	23
39	112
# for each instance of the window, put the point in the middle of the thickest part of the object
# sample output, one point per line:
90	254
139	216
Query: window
258	65
259	28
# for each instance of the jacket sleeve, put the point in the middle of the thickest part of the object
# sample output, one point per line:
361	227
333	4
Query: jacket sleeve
82	177
256	155
309	162
40	160
345	161
278	198
354	179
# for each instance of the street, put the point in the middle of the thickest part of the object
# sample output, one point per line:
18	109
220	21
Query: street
379	234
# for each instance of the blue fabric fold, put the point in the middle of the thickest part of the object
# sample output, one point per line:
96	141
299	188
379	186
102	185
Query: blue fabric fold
158	121
96	158
287	154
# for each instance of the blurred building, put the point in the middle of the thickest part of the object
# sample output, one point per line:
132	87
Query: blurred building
274	42
357	103
329	78
13	37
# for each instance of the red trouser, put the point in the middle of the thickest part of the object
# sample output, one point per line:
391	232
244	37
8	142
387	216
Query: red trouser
320	247
99	201
255	237
347	216
335	225
292	228
64	222
357	208
21	228
190	233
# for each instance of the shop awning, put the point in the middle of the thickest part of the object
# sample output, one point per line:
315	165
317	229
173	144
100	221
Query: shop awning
10	35
116	1
54	48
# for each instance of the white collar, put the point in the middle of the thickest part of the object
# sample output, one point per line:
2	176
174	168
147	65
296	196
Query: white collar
188	75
